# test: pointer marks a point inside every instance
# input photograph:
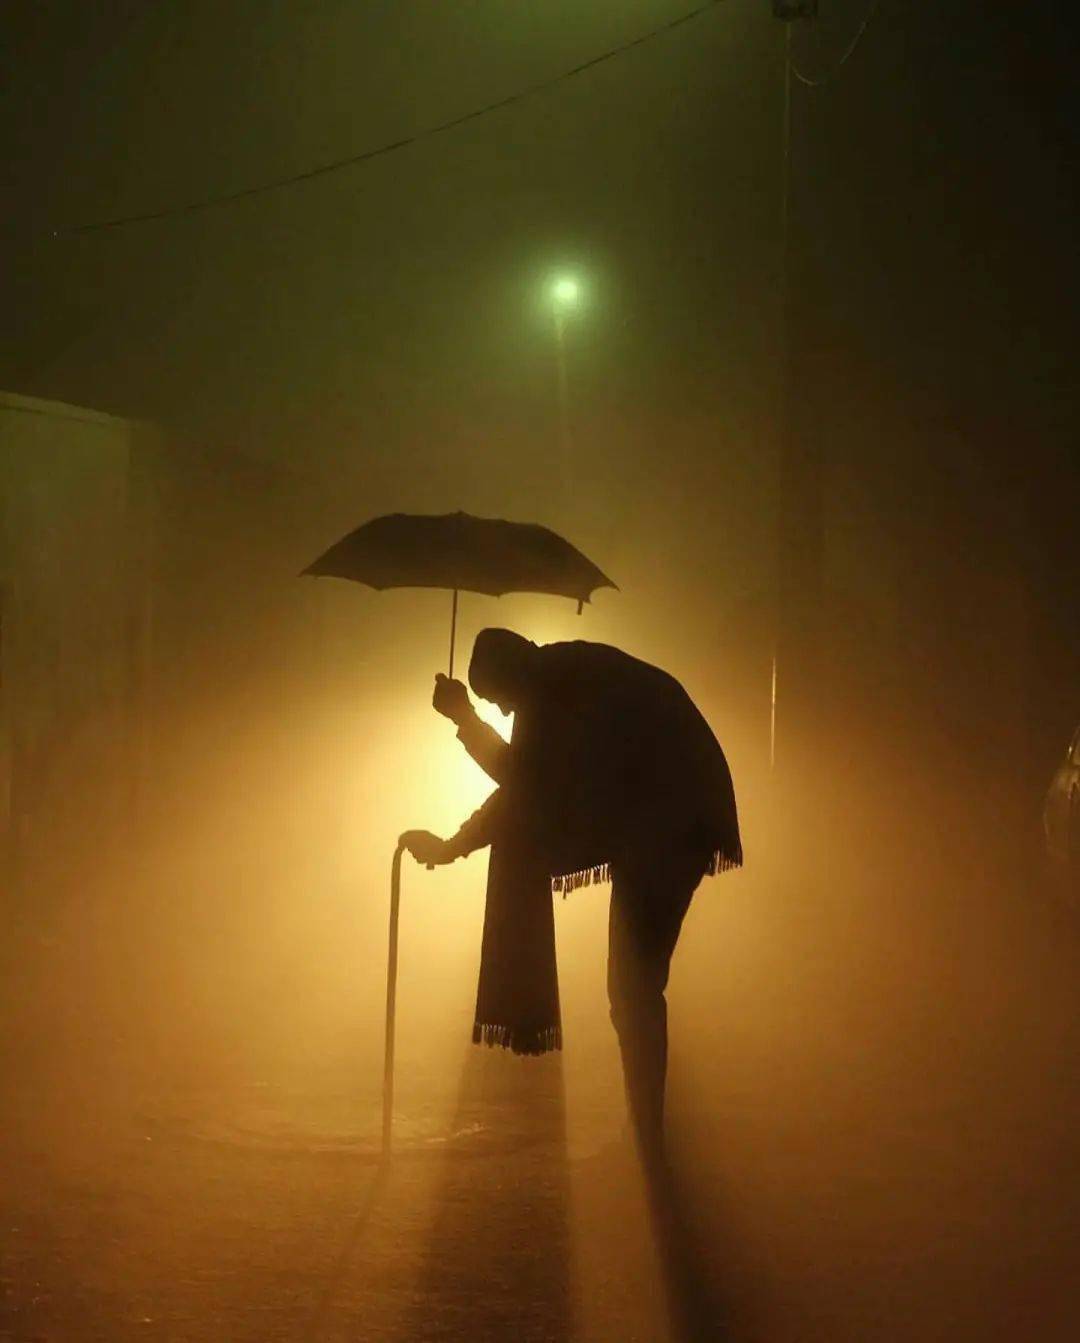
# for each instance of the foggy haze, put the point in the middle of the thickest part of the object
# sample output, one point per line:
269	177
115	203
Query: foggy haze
831	465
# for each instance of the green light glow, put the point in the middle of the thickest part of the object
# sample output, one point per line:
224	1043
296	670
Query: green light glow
565	291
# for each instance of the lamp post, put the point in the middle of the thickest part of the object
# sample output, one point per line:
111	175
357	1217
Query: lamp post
565	293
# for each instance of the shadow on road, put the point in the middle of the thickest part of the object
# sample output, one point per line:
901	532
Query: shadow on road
497	1260
697	1311
320	1313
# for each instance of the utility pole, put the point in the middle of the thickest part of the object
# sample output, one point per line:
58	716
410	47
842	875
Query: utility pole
800	540
142	456
8	727
6	762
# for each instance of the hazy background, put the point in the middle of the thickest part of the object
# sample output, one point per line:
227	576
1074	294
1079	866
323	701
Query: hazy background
874	1026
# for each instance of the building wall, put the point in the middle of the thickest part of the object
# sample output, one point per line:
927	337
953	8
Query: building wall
70	570
150	596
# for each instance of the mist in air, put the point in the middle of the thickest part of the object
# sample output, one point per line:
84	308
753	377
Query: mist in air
775	330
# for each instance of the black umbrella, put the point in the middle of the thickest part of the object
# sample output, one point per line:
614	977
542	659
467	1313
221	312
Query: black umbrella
454	551
461	553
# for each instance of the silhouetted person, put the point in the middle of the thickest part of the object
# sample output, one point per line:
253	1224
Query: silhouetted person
611	770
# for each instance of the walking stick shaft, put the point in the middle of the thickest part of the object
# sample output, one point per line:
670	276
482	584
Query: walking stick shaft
391	1002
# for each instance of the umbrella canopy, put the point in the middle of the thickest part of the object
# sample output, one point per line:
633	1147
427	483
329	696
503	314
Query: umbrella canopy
458	552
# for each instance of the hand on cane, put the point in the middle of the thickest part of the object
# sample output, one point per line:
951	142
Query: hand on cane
427	848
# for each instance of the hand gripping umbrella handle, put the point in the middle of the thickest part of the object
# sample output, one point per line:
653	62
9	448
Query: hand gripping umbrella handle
391	1002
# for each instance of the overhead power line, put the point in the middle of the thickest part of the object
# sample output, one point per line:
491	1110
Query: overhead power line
392	146
819	81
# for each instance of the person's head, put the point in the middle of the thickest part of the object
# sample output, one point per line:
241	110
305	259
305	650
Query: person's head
500	667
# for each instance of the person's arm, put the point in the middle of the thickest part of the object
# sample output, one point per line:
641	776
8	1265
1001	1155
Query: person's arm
477	832
482	742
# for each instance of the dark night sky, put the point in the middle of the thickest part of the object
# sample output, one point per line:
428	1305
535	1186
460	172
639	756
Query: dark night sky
397	301
383	326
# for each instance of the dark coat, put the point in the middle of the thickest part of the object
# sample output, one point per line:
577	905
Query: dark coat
610	762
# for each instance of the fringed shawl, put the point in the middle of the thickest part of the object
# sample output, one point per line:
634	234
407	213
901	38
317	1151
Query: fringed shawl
517	998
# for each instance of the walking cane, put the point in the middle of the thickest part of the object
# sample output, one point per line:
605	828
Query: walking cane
391	1003
391	961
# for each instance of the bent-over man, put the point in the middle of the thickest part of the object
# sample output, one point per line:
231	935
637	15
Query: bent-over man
611	771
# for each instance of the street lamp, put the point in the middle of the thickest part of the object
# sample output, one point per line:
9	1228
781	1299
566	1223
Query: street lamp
565	295
565	292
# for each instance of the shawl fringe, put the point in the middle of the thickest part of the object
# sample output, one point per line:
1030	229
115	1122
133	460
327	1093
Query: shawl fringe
519	1041
720	860
586	876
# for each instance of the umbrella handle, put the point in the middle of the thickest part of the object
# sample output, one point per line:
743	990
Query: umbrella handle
391	1003
453	631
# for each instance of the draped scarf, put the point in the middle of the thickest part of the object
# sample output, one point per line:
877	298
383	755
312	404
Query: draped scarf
517	998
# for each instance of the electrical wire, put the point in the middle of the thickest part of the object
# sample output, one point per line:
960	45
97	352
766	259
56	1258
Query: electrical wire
365	156
849	51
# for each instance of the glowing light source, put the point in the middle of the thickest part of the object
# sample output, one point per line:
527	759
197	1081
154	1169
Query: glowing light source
565	291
